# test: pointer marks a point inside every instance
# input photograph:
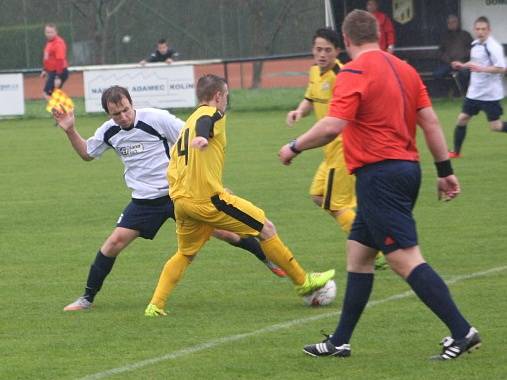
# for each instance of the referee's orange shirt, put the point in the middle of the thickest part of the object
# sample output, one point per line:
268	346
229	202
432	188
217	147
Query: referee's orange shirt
55	55
379	95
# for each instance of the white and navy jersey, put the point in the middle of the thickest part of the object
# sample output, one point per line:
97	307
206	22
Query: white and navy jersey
144	149
486	86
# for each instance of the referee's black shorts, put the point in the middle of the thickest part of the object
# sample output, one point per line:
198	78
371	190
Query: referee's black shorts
386	195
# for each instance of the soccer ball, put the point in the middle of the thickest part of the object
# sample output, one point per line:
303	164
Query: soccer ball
323	296
126	39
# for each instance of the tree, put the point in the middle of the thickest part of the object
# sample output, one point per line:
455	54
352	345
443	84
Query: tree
98	14
265	31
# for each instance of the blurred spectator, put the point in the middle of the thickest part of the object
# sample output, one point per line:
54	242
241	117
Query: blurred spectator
54	62
163	53
454	46
387	34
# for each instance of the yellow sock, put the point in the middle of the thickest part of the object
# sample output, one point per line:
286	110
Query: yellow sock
345	219
173	271
277	252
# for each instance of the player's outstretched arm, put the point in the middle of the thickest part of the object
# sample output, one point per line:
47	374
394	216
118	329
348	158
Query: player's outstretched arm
301	111
474	67
457	65
448	185
66	121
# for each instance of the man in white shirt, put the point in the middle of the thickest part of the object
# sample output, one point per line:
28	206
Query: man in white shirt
487	66
142	138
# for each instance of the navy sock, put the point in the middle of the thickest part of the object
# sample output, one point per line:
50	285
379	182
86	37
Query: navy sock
98	273
460	133
359	286
433	291
504	126
251	245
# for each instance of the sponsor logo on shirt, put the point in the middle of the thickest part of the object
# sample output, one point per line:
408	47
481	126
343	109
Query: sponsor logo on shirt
130	150
325	86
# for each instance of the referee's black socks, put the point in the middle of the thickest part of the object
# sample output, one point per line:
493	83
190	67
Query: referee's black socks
98	273
432	290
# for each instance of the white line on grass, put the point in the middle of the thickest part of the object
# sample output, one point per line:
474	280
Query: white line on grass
279	326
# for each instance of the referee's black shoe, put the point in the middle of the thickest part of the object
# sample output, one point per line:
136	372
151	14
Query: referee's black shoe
453	348
327	348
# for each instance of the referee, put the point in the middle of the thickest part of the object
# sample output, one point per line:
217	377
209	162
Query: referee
378	119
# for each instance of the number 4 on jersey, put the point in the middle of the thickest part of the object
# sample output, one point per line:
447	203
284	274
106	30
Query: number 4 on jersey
184	151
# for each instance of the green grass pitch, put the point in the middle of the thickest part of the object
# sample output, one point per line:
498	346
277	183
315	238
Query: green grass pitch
230	318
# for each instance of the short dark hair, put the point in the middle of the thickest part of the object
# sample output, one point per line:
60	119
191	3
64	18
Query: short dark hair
329	35
208	85
482	19
361	27
162	41
114	94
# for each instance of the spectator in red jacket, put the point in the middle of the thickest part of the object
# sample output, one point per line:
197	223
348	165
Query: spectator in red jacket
54	61
387	34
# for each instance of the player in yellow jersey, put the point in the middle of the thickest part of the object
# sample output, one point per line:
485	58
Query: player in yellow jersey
202	204
333	188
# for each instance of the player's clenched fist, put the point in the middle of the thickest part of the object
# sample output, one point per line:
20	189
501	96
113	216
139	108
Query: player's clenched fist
199	143
293	117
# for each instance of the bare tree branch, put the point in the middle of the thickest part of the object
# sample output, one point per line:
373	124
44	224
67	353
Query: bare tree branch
279	23
109	14
78	8
99	7
157	13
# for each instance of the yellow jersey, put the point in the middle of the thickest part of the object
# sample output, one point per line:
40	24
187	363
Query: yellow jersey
319	92
195	173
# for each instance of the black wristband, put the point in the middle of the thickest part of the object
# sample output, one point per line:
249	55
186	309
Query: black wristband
444	168
292	146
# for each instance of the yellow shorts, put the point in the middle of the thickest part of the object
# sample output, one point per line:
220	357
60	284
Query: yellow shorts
335	185
196	221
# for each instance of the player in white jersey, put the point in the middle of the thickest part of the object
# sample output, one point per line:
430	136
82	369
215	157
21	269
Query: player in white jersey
142	138
485	92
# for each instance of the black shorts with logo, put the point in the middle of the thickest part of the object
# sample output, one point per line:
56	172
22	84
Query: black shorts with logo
146	215
386	195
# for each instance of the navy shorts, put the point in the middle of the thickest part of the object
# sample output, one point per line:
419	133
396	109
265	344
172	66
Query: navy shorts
146	215
50	80
492	108
386	195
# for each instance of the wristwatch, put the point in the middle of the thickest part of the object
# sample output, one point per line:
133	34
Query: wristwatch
292	146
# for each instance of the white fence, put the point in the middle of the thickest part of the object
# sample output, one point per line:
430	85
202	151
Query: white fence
152	86
12	102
